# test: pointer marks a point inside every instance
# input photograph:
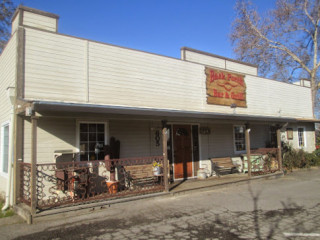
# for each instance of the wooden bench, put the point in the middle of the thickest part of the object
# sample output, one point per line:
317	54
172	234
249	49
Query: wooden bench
140	176
223	165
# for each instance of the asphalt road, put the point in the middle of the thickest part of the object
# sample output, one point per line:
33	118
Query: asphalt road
283	208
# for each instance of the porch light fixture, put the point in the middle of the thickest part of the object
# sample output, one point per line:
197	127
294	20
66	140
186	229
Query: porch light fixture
234	106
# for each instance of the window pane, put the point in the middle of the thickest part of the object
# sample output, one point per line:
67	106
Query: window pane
100	128
100	137
84	157
83	137
92	127
92	136
239	138
83	127
92	146
301	137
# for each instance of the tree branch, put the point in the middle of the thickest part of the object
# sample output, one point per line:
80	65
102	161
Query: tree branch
307	13
276	45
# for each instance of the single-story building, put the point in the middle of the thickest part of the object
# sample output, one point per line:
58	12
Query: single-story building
66	99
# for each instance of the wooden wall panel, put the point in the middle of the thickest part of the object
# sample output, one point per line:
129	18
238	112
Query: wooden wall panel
54	67
121	77
7	79
218	62
53	134
136	138
39	21
61	68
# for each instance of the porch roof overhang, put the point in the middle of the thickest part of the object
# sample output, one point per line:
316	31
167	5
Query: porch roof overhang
46	106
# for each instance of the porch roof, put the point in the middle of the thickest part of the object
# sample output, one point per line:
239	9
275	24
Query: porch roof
45	106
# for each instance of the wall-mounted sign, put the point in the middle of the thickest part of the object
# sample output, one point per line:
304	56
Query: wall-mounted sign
225	88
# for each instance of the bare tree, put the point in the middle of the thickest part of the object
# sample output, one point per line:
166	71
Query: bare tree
284	42
6	10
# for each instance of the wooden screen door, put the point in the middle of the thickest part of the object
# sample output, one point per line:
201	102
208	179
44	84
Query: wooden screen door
182	151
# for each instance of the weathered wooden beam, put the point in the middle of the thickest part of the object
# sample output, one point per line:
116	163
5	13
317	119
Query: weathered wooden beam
279	154
34	126
165	159
21	106
247	137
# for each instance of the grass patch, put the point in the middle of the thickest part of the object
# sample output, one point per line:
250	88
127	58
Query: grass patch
7	213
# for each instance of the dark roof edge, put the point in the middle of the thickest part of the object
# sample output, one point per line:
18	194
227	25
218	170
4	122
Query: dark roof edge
217	56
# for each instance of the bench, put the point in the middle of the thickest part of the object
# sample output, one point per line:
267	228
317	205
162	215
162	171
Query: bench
139	176
224	165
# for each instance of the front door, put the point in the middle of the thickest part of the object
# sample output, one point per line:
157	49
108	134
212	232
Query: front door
182	151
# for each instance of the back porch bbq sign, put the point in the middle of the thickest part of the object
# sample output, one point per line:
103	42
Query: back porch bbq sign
225	88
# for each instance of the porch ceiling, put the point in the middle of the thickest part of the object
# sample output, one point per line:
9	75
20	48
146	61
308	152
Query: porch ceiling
45	107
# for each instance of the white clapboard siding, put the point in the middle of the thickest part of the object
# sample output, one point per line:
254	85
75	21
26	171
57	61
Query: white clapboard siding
242	68
39	21
217	62
135	138
259	135
62	68
309	136
15	23
55	67
204	59
219	143
119	76
52	134
7	79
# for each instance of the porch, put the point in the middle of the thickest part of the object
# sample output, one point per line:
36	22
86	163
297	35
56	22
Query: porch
79	182
176	188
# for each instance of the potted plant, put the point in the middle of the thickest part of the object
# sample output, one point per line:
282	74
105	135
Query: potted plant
156	168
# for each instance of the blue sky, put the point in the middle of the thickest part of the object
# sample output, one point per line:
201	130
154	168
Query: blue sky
158	26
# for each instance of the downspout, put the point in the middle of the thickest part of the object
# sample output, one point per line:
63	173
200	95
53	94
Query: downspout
9	195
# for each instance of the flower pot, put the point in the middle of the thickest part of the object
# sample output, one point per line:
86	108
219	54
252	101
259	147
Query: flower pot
112	186
201	174
156	171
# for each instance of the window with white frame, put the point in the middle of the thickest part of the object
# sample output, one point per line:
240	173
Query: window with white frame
239	138
92	139
301	137
4	148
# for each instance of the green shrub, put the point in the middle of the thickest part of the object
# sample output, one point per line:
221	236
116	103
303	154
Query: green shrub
6	213
298	158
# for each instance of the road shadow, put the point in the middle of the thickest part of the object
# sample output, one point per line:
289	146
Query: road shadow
289	222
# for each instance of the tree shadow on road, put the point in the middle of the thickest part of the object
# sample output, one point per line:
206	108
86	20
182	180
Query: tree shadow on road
283	223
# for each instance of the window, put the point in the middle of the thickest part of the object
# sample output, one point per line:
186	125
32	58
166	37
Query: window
239	138
4	148
92	141
301	137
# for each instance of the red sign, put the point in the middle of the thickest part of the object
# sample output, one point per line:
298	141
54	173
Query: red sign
225	88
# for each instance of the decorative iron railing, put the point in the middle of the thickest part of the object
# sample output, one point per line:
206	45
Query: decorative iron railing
25	182
75	182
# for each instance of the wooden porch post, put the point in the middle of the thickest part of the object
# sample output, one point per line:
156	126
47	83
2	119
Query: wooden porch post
34	125
279	149
165	159
247	136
